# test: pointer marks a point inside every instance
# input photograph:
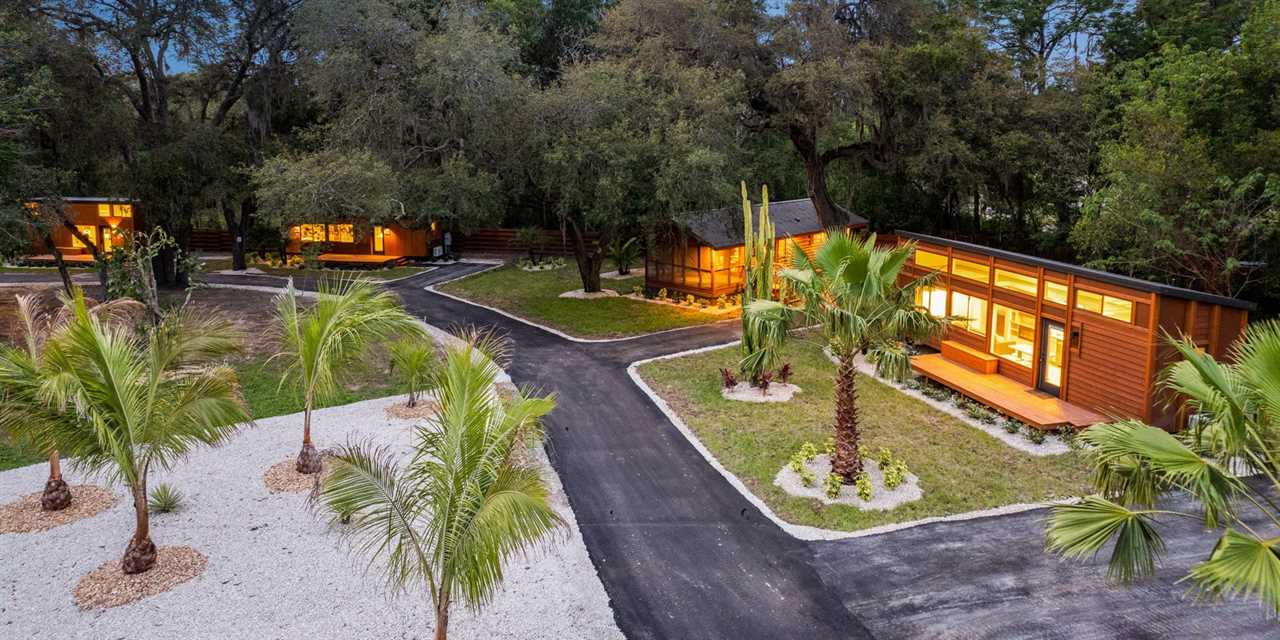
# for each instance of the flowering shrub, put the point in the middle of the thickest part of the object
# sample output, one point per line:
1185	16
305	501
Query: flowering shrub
662	293
894	474
1036	436
807	478
808	451
829	447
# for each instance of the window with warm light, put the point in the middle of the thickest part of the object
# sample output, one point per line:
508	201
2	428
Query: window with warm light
122	210
970	312
104	210
342	233
1018	282
1013	334
378	238
933	300
970	270
89	231
930	260
1117	309
1088	301
1055	292
310	232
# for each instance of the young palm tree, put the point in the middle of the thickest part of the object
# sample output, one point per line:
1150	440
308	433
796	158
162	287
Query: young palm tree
850	290
465	501
1236	432
320	341
24	414
143	400
411	361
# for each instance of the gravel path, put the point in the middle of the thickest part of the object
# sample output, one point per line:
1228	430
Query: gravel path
275	569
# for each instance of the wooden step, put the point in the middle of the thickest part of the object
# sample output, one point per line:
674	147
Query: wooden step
969	357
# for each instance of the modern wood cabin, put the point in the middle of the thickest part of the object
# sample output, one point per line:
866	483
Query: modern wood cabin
107	222
1055	344
701	254
361	243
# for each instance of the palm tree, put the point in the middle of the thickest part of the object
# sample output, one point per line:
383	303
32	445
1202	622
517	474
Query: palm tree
1234	432
23	412
143	400
466	500
321	341
411	361
850	290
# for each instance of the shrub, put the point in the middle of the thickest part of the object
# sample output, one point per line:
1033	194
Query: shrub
763	382
721	302
785	373
688	299
623	253
1036	436
807	477
796	463
412	363
808	451
311	254
1012	425
935	392
637	291
862	485
884	457
831	485
728	379
662	293
165	499
894	473
829	446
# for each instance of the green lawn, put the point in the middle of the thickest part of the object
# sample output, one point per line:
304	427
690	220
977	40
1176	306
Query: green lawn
960	468
535	296
391	273
54	270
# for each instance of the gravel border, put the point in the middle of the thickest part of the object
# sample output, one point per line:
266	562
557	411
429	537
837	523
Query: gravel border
882	497
24	515
581	294
276	570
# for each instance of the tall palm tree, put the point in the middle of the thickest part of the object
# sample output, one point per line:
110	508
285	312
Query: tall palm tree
465	501
320	341
143	400
1235	432
24	414
850	290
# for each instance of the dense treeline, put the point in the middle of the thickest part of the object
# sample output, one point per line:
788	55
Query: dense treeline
1143	137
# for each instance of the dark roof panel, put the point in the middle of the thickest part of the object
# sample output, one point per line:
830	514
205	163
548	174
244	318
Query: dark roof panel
1095	274
721	228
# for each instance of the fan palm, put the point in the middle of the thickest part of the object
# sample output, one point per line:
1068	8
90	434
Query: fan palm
319	342
849	289
143	400
1235	432
24	414
465	501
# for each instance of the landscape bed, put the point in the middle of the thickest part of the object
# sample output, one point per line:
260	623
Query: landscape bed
536	296
960	468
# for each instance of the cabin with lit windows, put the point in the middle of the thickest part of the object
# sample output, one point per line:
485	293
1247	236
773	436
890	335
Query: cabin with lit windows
356	243
701	254
1057	345
107	222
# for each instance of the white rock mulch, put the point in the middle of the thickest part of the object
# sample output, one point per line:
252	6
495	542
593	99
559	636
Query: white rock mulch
882	498
1052	445
594	295
541	267
713	310
744	392
275	568
614	275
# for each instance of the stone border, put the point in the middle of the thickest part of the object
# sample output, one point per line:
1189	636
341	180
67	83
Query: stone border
801	531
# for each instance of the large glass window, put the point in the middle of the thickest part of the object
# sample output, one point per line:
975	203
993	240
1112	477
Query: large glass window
1055	292
930	260
310	232
933	300
104	210
342	233
123	210
89	231
1013	334
1117	309
971	312
970	270
1016	282
1089	301
378	239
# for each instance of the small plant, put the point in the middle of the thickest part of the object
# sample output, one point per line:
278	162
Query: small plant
412	362
807	477
1012	425
1036	436
688	299
884	457
829	446
763	382
936	392
728	379
988	416
796	462
165	499
831	485
311	254
637	291
784	373
662	294
721	302
863	452
894	473
623	253
808	451
862	486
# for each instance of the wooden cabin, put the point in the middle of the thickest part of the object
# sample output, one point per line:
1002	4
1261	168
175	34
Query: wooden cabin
356	243
1055	344
701	254
107	222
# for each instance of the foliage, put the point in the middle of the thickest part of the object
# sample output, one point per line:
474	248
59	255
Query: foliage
862	486
1013	425
466	501
1036	436
832	483
623	253
807	476
532	239
165	498
727	379
412	362
763	333
1237	402
808	451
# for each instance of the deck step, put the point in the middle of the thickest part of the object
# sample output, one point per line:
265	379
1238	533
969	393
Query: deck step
970	357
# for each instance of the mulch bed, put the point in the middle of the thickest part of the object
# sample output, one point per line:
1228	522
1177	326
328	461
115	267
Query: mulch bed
24	515
283	477
399	411
108	586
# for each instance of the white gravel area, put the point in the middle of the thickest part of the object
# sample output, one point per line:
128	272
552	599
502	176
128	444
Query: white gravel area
594	295
710	309
744	392
614	275
275	569
882	498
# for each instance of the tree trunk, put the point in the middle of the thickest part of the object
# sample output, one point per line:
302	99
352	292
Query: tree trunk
815	174
56	496
847	463
589	259
237	227
308	459
99	259
140	555
442	620
58	261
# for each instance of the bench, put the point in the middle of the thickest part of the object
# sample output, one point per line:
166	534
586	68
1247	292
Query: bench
969	357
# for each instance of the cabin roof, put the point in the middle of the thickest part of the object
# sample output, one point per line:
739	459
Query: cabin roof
1093	274
108	199
722	228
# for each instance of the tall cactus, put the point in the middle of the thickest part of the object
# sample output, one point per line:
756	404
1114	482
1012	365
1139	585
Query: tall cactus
760	340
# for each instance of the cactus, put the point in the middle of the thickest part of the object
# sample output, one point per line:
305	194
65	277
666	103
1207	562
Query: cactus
759	347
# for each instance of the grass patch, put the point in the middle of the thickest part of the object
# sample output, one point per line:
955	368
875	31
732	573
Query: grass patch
960	468
535	295
53	270
13	456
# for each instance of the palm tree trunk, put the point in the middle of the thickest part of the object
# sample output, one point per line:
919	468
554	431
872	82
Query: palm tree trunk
56	496
308	459
141	552
847	463
442	620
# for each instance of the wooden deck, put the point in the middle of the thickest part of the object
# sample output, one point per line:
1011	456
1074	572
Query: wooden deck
360	259
69	258
1031	406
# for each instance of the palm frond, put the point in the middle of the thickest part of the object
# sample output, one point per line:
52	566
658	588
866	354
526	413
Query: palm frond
1242	564
1081	530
